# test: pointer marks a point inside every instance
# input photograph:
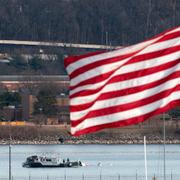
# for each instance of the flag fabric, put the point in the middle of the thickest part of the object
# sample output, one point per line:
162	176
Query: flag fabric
110	89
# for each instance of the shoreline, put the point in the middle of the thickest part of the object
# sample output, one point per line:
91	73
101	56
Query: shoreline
88	142
54	135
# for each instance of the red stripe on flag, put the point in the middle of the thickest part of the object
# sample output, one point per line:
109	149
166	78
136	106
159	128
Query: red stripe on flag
102	77
128	76
126	106
110	95
71	59
127	122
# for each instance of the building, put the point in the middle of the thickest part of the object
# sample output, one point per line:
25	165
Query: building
28	101
12	113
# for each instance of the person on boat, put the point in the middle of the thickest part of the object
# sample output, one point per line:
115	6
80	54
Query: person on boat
80	163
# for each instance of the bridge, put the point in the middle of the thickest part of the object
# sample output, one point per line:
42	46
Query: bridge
55	44
27	79
14	82
16	79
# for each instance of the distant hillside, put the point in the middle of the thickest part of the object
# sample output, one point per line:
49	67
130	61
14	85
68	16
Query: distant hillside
115	22
87	21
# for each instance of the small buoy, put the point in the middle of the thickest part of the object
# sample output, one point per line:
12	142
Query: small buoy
99	164
61	140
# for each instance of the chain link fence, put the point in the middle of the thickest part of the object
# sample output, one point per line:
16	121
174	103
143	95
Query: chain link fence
94	177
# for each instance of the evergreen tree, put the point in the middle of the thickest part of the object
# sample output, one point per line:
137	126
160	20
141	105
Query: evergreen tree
46	103
10	98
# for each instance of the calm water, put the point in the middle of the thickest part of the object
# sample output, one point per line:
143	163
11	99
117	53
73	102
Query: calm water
115	159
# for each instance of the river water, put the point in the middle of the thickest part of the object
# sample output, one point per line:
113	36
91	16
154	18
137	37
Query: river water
115	160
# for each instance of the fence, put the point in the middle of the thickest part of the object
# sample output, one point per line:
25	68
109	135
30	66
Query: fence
93	177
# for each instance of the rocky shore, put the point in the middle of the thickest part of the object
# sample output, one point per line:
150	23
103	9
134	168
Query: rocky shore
123	139
60	135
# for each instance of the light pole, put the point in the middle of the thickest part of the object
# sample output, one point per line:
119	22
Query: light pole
10	160
10	138
9	124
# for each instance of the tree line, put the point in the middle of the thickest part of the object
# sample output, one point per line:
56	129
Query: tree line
116	22
45	104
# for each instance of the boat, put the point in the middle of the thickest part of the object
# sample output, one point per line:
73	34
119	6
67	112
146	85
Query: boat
44	161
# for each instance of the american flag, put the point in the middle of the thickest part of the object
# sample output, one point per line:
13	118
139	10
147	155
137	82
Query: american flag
124	86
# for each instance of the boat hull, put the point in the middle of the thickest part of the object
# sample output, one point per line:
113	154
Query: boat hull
61	165
43	161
